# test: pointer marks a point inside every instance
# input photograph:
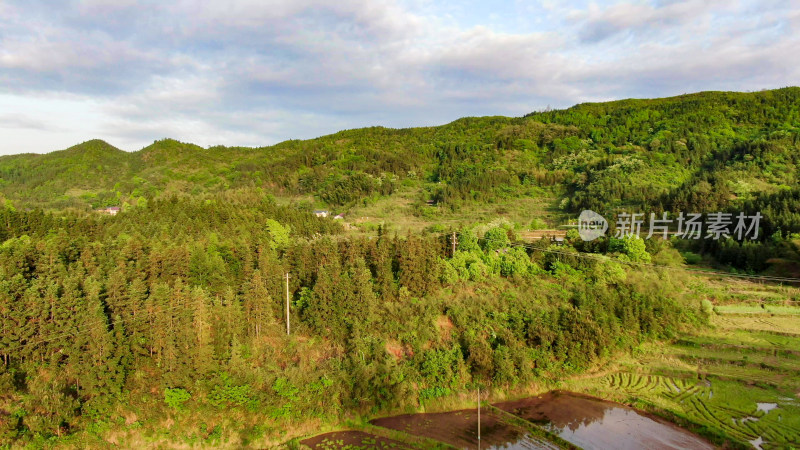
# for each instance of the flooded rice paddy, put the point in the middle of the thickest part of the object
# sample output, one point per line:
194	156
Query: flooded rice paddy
460	429
592	423
583	421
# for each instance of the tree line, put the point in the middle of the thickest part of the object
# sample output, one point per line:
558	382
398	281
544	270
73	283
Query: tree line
106	314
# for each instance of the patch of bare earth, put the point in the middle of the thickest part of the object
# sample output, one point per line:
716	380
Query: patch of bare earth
445	325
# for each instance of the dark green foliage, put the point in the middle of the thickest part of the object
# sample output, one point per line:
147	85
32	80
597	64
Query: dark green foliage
706	152
229	394
182	295
193	312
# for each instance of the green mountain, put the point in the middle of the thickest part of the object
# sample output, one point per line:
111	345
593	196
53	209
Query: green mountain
662	152
166	324
704	152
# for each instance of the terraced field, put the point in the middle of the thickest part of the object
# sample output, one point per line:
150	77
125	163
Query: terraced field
720	405
740	379
772	323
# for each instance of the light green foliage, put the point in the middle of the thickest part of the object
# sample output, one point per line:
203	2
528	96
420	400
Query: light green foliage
478	271
538	224
449	274
517	262
495	256
495	238
572	237
287	391
609	272
631	248
303	298
707	307
463	260
176	397
467	241
564	270
667	257
278	233
439	368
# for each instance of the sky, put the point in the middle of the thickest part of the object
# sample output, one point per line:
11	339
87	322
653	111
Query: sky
257	72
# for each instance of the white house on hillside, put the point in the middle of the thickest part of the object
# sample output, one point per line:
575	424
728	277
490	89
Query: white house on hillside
111	210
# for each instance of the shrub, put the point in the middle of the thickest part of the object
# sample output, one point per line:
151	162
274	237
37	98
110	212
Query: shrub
633	247
707	307
496	238
176	397
229	394
691	258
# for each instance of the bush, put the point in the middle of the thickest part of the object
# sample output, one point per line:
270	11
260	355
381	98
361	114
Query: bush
633	247
691	258
496	238
538	224
707	307
436	392
175	398
229	394
449	274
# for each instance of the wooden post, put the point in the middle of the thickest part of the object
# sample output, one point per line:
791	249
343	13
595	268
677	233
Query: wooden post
479	418
454	244
287	303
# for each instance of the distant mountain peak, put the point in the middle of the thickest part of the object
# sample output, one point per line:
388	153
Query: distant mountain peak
93	146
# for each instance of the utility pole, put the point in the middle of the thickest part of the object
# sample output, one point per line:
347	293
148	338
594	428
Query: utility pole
479	418
287	303
455	241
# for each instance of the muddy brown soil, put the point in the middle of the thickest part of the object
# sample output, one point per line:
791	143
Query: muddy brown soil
460	429
351	440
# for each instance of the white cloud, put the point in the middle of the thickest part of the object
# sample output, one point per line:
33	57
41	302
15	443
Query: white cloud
249	72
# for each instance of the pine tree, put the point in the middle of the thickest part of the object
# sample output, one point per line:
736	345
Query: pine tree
202	351
323	311
257	305
382	262
358	300
92	353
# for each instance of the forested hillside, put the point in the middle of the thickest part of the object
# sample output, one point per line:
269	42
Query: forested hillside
176	310
699	151
705	152
173	311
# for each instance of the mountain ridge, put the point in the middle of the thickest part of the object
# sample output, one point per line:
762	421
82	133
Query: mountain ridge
655	153
615	103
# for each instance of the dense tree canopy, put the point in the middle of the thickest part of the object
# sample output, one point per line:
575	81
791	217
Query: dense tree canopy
177	303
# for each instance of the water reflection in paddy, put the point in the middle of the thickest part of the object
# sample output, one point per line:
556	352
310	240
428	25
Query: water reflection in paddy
587	422
596	424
